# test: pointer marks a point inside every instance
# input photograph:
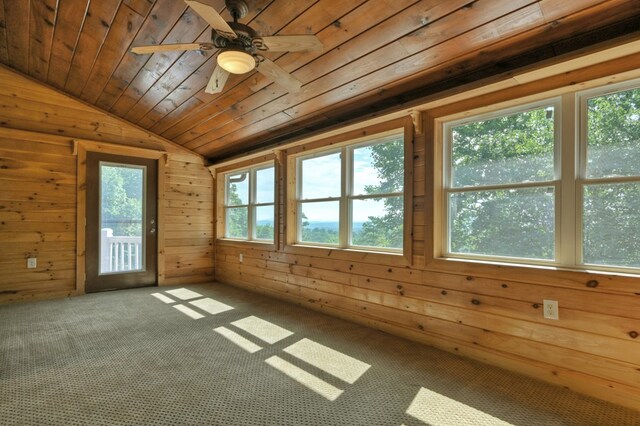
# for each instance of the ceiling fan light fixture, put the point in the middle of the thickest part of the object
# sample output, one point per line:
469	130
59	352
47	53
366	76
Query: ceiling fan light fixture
236	61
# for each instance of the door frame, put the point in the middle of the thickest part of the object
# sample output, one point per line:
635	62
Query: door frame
80	149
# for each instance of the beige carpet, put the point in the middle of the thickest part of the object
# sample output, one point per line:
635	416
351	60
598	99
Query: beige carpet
216	355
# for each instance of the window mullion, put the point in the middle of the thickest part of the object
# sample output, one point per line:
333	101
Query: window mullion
567	197
345	201
252	199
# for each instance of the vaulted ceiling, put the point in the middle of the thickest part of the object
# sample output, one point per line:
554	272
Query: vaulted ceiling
377	54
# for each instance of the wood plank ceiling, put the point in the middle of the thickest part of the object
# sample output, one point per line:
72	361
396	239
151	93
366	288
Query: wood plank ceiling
378	53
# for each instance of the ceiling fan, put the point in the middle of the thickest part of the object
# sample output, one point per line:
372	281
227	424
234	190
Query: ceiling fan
240	47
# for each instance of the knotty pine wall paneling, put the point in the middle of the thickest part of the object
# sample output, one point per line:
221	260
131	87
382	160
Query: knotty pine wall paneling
38	179
492	313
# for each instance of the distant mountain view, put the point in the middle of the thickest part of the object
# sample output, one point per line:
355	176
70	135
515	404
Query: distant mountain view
330	226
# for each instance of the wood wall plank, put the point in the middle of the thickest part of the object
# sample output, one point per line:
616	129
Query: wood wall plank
38	187
490	312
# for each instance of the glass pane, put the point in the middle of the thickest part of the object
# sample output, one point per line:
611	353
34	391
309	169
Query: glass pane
121	218
377	222
320	222
236	222
509	149
321	176
513	223
265	185
237	189
613	135
611	216
379	168
264	222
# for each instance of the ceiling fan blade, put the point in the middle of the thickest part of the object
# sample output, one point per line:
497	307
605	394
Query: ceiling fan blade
279	76
144	50
217	80
214	19
292	43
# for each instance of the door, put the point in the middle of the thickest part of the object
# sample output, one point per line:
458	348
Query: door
121	242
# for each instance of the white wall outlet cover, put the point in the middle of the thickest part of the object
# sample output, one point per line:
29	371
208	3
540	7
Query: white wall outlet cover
241	258
32	262
551	309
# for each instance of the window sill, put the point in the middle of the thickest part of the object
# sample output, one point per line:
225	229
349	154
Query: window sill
267	245
350	254
554	275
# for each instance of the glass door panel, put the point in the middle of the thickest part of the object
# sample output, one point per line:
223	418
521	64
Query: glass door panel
122	218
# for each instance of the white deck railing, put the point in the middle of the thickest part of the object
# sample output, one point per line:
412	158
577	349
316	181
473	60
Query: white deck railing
119	253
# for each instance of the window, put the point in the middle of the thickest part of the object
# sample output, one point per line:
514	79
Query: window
501	183
249	204
353	196
610	178
508	193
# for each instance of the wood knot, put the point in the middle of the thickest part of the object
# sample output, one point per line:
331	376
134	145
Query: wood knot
504	286
443	292
399	287
420	326
536	305
592	283
633	334
475	301
389	270
469	278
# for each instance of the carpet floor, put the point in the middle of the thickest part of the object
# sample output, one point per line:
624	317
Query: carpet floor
218	355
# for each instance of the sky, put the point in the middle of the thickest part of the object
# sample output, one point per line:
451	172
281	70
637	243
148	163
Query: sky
322	174
321	179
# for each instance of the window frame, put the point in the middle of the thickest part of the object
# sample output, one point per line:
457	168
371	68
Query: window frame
251	205
555	182
346	198
360	137
570	177
583	181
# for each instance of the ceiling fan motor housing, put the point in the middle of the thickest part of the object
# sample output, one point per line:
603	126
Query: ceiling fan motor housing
244	41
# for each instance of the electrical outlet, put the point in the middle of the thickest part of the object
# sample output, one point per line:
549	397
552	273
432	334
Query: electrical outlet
551	309
32	262
241	258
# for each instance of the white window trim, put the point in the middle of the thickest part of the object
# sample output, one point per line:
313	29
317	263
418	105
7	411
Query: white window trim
252	204
582	180
449	189
569	183
346	198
